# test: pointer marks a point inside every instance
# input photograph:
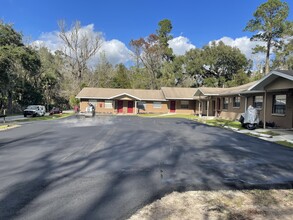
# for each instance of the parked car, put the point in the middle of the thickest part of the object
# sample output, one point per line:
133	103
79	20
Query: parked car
34	110
55	110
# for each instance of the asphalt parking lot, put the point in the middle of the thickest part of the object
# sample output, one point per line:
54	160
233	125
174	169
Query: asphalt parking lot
108	167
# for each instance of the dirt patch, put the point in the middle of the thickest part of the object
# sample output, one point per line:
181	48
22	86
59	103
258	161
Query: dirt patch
230	205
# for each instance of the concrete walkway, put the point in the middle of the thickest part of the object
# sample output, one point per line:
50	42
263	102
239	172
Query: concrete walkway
272	135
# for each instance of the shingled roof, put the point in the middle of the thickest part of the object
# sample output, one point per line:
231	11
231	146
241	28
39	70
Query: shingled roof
209	91
109	93
178	93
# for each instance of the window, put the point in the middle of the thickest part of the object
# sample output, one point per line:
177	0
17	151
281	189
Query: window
157	105
108	104
225	103
236	102
257	101
93	102
141	105
184	104
279	104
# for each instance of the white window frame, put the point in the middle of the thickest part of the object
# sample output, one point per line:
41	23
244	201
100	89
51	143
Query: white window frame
93	102
108	104
279	98
157	104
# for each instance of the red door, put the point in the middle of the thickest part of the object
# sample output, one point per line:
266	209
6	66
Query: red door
120	106
172	106
130	107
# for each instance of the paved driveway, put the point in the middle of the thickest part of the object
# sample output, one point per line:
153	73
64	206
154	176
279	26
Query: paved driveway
108	167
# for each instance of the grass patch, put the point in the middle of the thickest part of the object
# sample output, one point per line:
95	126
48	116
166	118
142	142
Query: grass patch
219	122
185	116
148	115
190	117
285	143
44	118
8	126
3	127
253	135
270	133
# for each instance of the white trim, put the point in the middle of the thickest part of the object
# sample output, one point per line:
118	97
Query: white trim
205	94
286	76
85	97
121	94
157	105
170	99
159	100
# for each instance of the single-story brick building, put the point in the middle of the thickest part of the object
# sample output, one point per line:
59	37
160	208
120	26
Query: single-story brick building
272	96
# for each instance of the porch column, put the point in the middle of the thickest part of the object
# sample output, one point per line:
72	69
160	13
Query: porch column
216	107
135	106
208	107
264	110
199	107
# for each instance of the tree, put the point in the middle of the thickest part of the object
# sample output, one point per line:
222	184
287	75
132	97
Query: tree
215	64
240	78
270	24
222	62
121	79
19	66
51	77
284	57
149	53
103	74
163	33
80	47
194	66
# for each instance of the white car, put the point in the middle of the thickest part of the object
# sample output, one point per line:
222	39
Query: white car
34	110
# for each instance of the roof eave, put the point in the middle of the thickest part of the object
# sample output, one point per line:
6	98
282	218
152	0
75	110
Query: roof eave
265	81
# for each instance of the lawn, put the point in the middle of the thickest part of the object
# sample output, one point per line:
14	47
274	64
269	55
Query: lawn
185	116
285	143
221	123
49	117
214	122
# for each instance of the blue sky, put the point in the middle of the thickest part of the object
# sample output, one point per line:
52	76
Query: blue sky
199	22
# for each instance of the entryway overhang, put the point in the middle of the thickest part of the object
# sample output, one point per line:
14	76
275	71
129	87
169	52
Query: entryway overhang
125	96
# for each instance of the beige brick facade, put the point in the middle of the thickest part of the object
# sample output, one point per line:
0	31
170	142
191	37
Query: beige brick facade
205	101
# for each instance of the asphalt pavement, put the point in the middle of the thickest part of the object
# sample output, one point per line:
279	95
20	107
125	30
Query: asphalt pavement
109	167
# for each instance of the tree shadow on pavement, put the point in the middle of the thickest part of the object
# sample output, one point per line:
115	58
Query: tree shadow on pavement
130	165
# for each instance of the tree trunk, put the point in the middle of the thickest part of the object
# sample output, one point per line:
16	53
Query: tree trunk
9	102
267	65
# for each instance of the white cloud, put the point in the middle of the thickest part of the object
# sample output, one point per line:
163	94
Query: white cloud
114	50
180	45
245	46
